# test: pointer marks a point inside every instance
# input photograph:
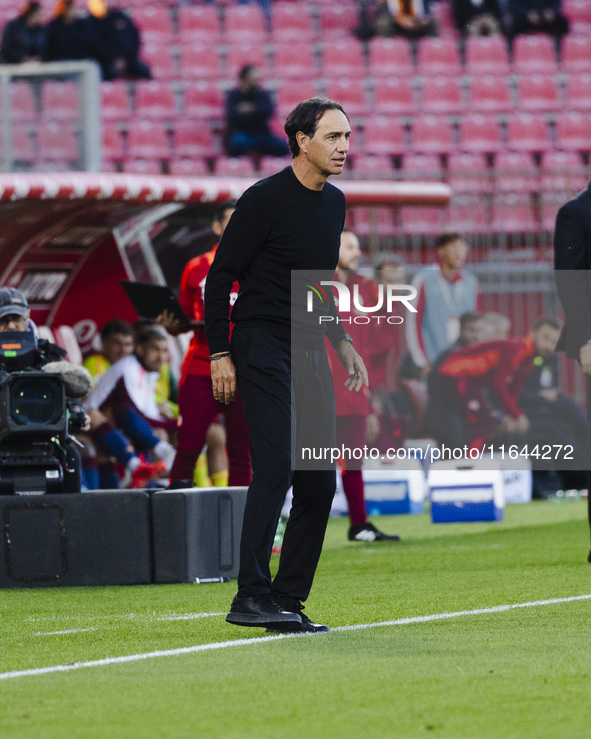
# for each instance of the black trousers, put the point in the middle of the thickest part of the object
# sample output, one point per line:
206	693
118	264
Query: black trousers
288	395
588	405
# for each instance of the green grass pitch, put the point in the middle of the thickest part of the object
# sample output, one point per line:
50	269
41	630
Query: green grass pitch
523	672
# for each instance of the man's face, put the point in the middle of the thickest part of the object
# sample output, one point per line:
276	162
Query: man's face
117	346
220	226
453	255
327	150
473	332
252	79
349	251
545	339
14	322
391	274
153	354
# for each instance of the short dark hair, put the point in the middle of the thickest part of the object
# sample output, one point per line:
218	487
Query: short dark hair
149	334
470	317
116	326
220	211
547	321
305	116
245	71
446	238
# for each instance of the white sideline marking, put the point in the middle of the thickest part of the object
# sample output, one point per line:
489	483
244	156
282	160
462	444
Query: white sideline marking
189	616
261	640
57	633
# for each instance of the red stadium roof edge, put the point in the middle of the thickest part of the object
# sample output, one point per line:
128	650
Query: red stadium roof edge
164	188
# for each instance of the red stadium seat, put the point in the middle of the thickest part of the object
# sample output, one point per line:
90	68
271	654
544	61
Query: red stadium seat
538	93
578	92
203	99
421	167
534	53
22	102
234	166
442	95
513	213
115	102
147	140
112	141
293	92
155	100
390	57
573	132
486	55
367	221
245	52
563	171
515	172
422	221
271	165
527	132
245	22
373	167
22	146
291	22
154	23
193	139
490	94
57	145
383	136
480	134
394	97
189	168
438	56
342	57
60	100
143	166
294	60
160	61
432	135
198	23
351	95
577	11
574	54
200	60
469	213
337	20
467	173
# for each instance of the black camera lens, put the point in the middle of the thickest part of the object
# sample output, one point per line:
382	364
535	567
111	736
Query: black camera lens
35	400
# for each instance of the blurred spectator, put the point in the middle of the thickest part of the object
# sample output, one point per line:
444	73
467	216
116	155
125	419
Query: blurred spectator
443	294
116	343
118	42
496	327
248	111
195	386
24	38
477	17
355	419
69	35
409	18
167	385
542	16
466	385
125	394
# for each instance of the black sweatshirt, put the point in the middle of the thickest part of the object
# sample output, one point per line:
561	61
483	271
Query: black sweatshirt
279	225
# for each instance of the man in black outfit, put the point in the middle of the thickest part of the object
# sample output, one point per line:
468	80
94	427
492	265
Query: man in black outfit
572	261
289	221
249	109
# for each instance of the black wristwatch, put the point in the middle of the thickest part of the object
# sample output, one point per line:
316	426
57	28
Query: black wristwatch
347	337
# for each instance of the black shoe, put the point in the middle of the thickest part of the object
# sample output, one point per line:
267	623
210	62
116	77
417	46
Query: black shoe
181	485
262	610
368	532
307	626
589	556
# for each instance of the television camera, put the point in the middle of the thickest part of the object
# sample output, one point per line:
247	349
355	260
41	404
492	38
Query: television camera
39	410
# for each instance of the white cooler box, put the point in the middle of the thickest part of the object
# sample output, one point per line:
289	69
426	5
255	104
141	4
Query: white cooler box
462	491
394	487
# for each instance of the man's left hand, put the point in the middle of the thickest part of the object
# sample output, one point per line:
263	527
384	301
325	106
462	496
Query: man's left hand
354	365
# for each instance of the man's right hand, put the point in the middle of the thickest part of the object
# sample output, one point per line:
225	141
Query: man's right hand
585	356
223	380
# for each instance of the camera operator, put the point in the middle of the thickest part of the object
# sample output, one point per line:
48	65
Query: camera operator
37	354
